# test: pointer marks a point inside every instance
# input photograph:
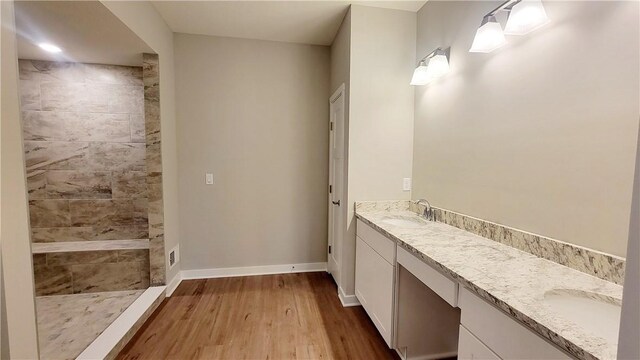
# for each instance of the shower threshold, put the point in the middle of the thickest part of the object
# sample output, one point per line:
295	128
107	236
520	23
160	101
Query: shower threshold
93	325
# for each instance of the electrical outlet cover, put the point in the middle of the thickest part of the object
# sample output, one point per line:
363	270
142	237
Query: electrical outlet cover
406	184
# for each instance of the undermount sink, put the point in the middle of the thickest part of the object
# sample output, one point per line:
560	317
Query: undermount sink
404	222
596	313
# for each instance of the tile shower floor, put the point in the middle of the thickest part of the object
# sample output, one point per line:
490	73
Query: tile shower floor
67	324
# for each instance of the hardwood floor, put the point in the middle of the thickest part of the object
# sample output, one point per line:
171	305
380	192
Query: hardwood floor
289	316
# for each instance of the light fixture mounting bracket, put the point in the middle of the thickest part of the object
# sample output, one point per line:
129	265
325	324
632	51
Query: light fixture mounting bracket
505	6
437	51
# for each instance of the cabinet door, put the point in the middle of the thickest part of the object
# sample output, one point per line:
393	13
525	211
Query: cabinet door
470	348
374	287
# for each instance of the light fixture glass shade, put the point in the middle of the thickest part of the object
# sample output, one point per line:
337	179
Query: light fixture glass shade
438	66
526	16
420	75
488	37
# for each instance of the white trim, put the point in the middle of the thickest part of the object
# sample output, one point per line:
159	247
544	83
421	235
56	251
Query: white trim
173	284
445	355
347	300
336	94
252	270
111	337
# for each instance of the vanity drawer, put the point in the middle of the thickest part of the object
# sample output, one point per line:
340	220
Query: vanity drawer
378	242
503	335
445	287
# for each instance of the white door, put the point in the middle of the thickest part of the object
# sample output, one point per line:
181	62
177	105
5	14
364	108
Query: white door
336	182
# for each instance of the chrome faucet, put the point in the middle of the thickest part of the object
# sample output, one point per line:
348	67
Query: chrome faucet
428	210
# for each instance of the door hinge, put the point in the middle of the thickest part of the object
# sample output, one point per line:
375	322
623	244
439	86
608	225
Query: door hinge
329	249
330	189
331	126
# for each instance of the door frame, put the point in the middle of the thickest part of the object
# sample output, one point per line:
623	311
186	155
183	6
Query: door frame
332	243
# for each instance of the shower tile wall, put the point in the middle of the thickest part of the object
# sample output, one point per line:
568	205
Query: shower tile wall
84	139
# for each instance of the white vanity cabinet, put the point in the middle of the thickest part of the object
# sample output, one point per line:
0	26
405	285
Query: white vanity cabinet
471	348
375	259
426	314
488	333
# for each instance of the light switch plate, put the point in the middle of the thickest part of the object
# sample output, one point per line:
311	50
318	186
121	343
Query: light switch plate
406	184
209	179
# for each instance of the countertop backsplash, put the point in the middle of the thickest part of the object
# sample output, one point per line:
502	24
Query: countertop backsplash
601	265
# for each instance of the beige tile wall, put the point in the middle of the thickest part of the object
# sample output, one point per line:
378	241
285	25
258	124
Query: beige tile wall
85	153
83	128
151	77
91	271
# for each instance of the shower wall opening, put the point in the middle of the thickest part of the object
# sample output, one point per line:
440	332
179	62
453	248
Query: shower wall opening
84	140
92	151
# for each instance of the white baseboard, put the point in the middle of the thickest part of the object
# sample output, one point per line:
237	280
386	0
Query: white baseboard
347	300
173	284
252	270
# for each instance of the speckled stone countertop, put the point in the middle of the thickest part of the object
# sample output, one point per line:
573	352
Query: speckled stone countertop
512	280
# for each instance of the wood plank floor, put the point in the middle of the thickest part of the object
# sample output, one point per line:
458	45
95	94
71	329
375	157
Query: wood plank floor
289	316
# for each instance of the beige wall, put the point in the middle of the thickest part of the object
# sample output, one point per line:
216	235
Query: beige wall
341	57
142	18
380	114
255	114
539	135
16	248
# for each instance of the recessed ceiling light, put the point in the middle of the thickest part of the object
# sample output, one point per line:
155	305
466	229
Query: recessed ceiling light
50	48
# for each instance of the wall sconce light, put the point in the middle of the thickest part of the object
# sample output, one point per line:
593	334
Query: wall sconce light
438	65
524	17
420	74
489	36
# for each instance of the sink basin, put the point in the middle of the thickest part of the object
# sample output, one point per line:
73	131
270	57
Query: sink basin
596	313
404	222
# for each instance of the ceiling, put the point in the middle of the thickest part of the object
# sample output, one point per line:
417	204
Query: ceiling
86	31
308	22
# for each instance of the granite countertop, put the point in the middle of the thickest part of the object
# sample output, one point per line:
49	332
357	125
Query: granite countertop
512	280
95	245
